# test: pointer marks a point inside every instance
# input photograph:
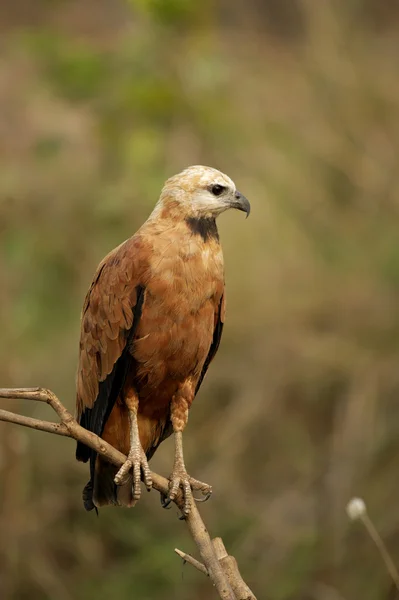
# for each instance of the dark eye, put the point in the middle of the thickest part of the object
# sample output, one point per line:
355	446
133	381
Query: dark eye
217	189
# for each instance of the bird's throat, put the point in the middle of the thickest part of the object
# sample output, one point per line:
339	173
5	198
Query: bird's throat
204	227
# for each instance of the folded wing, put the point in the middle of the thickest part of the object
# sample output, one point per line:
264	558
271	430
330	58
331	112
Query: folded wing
111	313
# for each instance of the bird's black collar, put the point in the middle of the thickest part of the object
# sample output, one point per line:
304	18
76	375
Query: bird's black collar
203	226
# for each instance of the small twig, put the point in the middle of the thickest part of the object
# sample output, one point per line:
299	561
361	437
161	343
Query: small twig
223	572
357	510
193	561
386	557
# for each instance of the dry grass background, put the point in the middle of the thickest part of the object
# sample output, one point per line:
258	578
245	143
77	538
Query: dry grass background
297	101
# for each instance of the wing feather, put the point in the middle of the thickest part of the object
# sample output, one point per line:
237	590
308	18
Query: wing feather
217	336
111	313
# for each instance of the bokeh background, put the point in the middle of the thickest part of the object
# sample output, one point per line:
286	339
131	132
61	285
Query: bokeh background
297	100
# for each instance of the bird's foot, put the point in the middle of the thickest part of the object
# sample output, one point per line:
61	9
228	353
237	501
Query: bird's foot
137	461
180	478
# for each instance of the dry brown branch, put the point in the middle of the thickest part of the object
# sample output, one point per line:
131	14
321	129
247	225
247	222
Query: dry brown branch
221	568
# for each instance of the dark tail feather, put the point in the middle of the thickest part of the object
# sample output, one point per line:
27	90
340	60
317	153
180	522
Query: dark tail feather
102	491
82	452
105	490
88	497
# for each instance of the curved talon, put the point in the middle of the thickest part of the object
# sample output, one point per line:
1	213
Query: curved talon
204	488
206	498
165	502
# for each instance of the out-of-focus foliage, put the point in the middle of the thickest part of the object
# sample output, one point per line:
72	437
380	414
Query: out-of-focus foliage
100	101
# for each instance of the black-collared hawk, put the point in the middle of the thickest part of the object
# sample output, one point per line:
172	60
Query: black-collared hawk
151	324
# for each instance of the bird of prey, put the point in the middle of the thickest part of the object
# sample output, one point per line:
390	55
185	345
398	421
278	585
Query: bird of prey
151	324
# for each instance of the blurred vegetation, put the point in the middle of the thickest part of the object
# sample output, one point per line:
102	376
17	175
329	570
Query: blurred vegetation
298	102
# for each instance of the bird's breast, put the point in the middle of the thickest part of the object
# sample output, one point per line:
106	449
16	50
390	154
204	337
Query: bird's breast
177	323
185	272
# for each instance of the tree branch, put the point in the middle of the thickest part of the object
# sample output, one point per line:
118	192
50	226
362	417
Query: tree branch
221	568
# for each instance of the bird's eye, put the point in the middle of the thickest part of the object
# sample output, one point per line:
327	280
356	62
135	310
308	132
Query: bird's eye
217	189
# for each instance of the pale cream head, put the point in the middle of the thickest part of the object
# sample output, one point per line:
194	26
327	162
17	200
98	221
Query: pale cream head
201	192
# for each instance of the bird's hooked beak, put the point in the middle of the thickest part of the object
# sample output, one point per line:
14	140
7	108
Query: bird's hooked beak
240	202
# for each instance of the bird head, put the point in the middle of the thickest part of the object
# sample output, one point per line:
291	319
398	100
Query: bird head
202	192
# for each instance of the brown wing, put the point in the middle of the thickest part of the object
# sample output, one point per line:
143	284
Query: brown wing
111	313
217	336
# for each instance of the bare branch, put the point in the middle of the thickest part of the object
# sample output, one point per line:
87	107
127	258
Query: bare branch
57	428
221	568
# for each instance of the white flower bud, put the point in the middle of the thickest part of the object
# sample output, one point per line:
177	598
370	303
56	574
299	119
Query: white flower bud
356	508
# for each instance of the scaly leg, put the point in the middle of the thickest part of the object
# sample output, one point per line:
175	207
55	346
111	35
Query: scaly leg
179	476
136	458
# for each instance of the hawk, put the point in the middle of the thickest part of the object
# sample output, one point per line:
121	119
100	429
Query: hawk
151	324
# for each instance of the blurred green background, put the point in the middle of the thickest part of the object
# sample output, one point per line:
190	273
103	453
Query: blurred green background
298	101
